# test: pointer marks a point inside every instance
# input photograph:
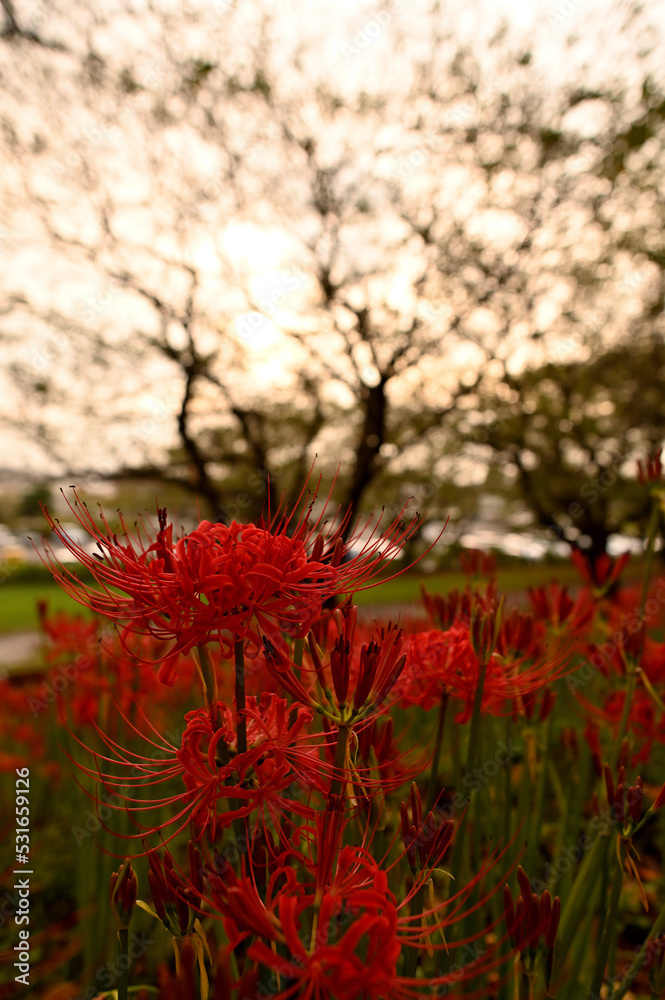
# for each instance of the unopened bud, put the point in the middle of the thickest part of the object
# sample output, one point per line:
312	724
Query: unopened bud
123	892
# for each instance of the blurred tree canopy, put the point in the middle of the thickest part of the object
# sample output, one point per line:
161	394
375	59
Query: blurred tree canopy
241	237
561	433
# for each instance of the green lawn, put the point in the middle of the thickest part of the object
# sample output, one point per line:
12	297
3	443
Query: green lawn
18	598
18	604
406	589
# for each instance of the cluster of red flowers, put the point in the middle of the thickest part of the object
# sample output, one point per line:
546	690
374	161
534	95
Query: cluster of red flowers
285	773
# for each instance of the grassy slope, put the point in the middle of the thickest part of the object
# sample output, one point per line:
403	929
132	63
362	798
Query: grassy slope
18	599
18	604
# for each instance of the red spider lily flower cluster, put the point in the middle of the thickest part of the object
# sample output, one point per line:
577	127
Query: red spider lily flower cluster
229	583
337	930
651	470
554	606
281	812
425	842
602	574
218	784
533	922
625	801
531	918
515	663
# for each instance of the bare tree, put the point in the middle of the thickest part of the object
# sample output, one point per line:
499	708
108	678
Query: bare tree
283	248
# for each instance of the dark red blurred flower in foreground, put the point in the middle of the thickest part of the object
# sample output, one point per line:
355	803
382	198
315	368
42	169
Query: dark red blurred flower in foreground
651	470
600	575
225	583
553	604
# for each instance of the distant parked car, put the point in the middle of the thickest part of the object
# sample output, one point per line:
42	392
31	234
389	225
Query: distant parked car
12	549
78	536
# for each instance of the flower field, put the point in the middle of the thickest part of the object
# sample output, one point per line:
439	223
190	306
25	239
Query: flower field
233	782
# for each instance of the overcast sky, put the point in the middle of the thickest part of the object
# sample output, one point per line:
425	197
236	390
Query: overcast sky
566	36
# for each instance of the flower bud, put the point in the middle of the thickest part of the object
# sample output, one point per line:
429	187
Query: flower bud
123	891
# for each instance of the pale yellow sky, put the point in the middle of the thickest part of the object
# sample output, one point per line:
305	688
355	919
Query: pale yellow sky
350	38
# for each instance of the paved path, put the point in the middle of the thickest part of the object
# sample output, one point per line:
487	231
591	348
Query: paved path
18	647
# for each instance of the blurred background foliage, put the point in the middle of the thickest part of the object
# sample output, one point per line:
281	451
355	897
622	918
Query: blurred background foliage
424	248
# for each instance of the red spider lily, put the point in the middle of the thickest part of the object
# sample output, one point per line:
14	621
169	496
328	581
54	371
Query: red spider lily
601	575
625	804
553	605
475	562
432	659
520	637
220	784
445	663
176	904
337	969
646	718
354	680
425	842
216	581
342	934
625	801
227	583
457	607
533	922
376	667
651	470
123	891
531	917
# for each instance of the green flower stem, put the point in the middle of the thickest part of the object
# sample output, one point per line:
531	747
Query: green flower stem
608	933
298	648
640	959
434	773
337	783
581	894
539	805
472	751
411	954
525	986
241	739
652	531
470	762
123	978
623	724
209	678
